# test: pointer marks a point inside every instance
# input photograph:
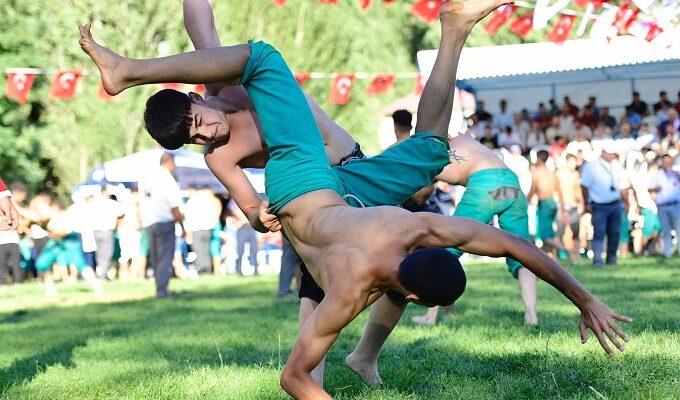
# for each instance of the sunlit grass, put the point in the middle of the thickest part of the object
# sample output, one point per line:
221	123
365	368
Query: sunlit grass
228	338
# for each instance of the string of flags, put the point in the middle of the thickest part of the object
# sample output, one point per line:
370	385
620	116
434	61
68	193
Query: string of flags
65	82
654	25
614	20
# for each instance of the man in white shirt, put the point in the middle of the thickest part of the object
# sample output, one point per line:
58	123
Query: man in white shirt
605	189
9	239
201	216
665	184
159	210
105	213
502	119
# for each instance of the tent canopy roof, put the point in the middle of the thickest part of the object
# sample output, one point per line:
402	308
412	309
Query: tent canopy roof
575	61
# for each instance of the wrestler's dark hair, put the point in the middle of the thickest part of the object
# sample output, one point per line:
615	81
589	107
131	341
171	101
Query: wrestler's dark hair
167	118
434	274
403	119
543	155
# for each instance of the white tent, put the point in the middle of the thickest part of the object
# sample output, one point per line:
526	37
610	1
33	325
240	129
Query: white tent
191	169
526	74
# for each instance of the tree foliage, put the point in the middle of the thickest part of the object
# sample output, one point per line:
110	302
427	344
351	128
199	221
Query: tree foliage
51	143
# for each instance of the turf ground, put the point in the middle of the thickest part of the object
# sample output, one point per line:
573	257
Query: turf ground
228	338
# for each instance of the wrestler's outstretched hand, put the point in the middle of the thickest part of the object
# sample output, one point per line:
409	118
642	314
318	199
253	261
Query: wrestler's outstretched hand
270	221
602	321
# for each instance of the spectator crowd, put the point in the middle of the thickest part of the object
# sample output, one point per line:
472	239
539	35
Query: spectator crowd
617	176
597	184
114	232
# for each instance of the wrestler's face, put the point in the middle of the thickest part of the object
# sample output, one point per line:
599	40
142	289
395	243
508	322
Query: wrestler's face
209	122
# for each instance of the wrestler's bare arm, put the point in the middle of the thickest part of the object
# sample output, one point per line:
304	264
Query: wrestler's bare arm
241	190
473	237
346	296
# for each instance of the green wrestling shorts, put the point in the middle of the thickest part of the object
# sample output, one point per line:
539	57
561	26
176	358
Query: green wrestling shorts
496	191
546	212
65	252
651	225
395	175
624	237
297	159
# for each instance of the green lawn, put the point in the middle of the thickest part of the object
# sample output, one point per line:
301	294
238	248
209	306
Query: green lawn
228	338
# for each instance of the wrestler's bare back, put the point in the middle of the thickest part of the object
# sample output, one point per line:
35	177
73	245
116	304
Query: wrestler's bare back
469	157
322	228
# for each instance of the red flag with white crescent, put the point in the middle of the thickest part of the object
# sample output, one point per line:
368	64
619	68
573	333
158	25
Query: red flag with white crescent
19	85
426	10
64	84
302	77
523	24
624	17
560	31
200	89
364	4
420	85
279	3
654	31
341	87
498	18
381	84
101	93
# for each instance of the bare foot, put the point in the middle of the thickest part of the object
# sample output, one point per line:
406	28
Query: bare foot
423	320
368	372
108	62
468	12
530	319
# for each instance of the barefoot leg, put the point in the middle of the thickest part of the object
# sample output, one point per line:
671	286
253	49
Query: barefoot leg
219	64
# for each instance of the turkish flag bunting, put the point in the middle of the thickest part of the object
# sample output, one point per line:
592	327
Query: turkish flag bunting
64	84
598	3
560	31
381	84
364	4
654	31
279	3
426	10
420	85
18	86
341	86
523	24
498	18
173	86
101	93
329	1
624	17
302	77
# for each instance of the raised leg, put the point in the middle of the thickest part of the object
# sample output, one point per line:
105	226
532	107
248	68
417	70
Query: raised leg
457	20
219	64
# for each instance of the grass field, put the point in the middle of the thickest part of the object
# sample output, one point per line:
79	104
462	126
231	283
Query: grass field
228	338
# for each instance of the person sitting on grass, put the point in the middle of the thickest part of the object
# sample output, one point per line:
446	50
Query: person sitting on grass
355	254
